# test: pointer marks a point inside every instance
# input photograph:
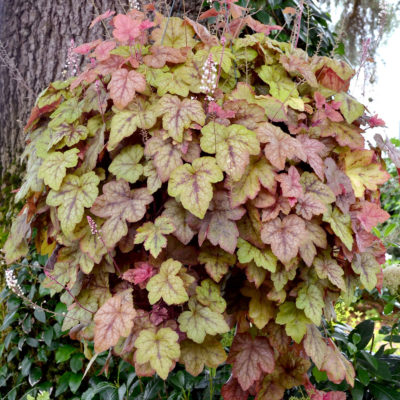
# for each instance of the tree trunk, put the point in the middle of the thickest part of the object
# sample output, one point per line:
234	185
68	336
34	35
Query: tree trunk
35	36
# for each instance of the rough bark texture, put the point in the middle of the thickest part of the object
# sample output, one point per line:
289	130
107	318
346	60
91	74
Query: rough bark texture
35	35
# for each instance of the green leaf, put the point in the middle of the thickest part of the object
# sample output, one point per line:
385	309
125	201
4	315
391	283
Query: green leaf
160	349
126	164
340	224
167	284
64	353
310	299
367	267
350	107
68	111
40	315
231	145
75	381
76	193
263	258
199	321
35	374
192	184
153	235
381	391
76	363
365	331
54	167
294	320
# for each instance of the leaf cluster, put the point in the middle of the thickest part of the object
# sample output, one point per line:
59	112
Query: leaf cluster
184	185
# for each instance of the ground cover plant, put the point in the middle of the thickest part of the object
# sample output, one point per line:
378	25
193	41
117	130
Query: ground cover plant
187	184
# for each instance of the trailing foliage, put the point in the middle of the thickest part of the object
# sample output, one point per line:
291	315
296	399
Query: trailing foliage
185	185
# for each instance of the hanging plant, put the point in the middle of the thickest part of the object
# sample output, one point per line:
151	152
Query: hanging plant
185	185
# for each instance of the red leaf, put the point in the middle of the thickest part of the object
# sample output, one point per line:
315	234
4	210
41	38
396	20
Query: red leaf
38	112
215	108
251	358
99	18
328	78
370	215
126	29
212	12
141	273
259	27
232	391
201	31
374	121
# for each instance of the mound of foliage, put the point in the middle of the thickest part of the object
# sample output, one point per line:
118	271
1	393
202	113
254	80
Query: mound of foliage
186	185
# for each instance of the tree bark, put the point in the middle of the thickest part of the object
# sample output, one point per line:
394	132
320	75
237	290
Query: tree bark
35	36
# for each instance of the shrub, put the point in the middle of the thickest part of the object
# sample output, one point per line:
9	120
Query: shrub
187	186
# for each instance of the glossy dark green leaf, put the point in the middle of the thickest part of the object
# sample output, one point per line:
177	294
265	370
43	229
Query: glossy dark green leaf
363	376
26	366
121	392
366	330
35	374
30	341
9	319
10	336
27	324
48	335
64	353
75	381
76	363
63	383
384	392
357	392
40	315
12	354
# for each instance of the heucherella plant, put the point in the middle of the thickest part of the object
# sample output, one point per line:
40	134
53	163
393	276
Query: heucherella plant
185	186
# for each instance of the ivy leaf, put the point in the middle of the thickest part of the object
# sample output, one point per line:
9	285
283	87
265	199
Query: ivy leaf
340	224
153	181
173	32
166	157
54	167
327	267
294	320
246	114
317	237
140	114
219	226
257	173
309	205
280	145
311	184
74	195
142	272
120	205
67	135
68	111
160	349
166	284
370	215
310	299
126	164
363	172
208	294
217	261
181	217
193	184
282	276
195	356
251	359
350	107
290	183
285	236
113	320
314	150
263	258
231	145
261	310
297	65
179	114
367	267
255	274
123	86
315	346
152	235
160	55
199	321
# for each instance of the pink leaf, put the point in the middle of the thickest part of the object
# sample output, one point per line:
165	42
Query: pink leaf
370	215
290	183
375	121
215	108
85	48
123	86
102	51
126	29
99	18
146	25
141	273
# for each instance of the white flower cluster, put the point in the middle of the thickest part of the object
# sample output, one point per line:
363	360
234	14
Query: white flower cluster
209	78
71	65
11	282
134	4
391	278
